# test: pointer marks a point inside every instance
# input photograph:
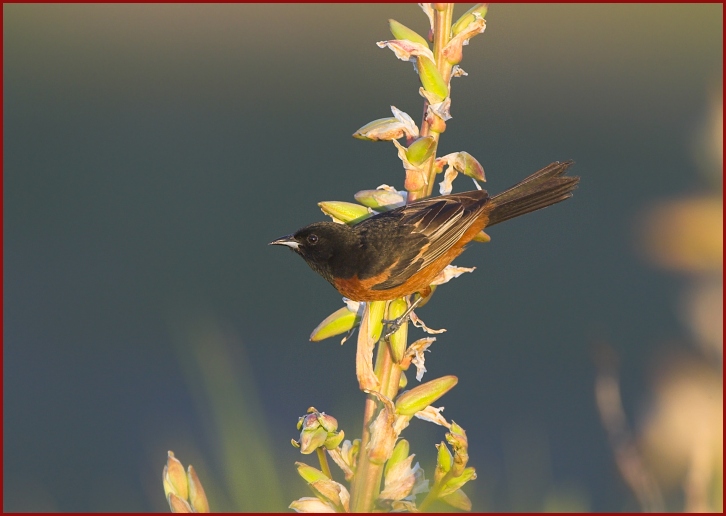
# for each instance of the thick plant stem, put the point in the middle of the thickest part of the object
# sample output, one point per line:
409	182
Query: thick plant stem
367	481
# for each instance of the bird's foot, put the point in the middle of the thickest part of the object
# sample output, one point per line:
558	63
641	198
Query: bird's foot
391	326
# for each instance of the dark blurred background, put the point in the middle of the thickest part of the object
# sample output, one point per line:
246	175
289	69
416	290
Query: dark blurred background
152	151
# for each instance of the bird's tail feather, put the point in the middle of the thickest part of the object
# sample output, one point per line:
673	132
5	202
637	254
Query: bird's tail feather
543	188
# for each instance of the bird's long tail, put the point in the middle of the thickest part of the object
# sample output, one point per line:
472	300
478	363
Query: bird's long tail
543	188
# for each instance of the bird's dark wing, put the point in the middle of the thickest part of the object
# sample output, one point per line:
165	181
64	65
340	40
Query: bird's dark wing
421	232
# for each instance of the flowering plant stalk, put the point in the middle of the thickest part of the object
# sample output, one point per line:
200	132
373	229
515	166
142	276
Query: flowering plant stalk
380	456
378	467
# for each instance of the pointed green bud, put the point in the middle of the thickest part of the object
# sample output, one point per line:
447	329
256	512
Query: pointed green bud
334	440
175	478
456	483
197	496
458	500
398	340
468	17
342	211
380	199
421	150
328	422
400	453
457	437
444	459
340	321
431	79
310	474
400	31
176	504
375	321
311	440
469	166
403	381
424	395
482	237
453	52
383	129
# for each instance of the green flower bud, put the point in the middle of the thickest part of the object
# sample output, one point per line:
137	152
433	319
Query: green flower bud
403	381
383	129
380	199
444	458
318	429
400	31
310	474
328	422
313	435
175	478
482	237
399	339
375	322
400	453
431	79
469	166
334	440
457	499
424	395
176	504
197	496
456	483
438	125
420	150
342	211
311	440
468	17
457	437
340	321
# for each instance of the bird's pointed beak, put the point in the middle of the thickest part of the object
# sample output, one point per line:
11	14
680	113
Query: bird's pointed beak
288	240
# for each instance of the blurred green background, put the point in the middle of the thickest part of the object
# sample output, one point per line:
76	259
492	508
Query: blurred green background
152	151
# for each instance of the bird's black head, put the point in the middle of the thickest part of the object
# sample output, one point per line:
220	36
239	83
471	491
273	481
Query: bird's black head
325	246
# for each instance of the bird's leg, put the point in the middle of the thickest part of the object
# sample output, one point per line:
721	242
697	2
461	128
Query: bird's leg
392	326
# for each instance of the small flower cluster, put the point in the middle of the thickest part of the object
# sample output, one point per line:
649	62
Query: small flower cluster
402	479
183	490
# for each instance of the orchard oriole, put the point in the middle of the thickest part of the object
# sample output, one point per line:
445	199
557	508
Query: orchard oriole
399	252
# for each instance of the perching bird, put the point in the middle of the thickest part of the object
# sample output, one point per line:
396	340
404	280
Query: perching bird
399	252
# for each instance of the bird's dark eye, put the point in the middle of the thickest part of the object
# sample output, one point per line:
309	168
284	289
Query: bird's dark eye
312	239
